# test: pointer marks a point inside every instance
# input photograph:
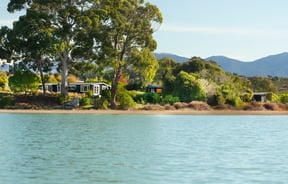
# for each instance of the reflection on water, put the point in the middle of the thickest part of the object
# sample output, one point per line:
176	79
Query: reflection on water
140	149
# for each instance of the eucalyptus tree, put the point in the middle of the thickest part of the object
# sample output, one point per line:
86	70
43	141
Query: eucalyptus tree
126	38
7	44
33	34
67	18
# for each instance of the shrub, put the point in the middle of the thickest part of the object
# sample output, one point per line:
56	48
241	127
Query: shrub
275	98
148	98
169	99
89	93
61	99
125	100
101	103
235	101
5	101
85	101
24	81
284	98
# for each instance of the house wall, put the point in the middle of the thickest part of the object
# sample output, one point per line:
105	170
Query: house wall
79	88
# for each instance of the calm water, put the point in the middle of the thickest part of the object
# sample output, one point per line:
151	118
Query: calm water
142	149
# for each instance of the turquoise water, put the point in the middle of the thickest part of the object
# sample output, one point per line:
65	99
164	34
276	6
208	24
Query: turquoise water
142	149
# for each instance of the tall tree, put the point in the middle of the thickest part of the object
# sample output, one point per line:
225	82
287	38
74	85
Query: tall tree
66	18
7	44
127	30
33	33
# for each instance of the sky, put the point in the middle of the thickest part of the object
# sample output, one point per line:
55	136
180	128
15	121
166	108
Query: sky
242	29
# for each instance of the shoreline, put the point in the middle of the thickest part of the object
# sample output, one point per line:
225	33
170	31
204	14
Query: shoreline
142	112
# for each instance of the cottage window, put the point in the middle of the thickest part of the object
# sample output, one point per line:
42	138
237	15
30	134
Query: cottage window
85	88
96	90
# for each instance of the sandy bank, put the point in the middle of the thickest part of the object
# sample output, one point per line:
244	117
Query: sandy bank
163	112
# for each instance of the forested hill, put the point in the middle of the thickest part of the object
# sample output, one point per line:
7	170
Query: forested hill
179	59
273	65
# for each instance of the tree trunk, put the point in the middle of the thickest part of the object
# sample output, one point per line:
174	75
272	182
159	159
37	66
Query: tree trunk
115	87
64	73
43	82
39	65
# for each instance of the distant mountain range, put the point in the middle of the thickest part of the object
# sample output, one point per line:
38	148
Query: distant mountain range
273	65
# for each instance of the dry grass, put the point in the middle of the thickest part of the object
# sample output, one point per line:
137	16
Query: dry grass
180	105
153	107
199	106
254	106
169	107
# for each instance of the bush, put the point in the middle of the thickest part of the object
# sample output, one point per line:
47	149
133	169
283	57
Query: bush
101	103
89	93
61	99
235	101
169	99
148	98
275	98
125	100
24	81
85	101
283	98
5	101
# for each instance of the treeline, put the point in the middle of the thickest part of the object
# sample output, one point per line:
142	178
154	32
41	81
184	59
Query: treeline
194	80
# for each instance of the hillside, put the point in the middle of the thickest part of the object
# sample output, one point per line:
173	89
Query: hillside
273	65
177	58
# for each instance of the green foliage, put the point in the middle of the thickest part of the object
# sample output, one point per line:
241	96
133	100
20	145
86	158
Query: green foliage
89	93
5	101
124	97
187	88
283	98
86	101
103	101
131	34
169	99
24	81
62	99
262	84
195	64
148	98
235	101
248	96
7	44
3	80
144	66
275	98
220	99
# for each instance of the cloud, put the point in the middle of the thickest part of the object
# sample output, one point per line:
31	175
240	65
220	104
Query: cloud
234	31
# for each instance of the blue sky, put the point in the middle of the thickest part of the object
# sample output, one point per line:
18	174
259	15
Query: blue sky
245	30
